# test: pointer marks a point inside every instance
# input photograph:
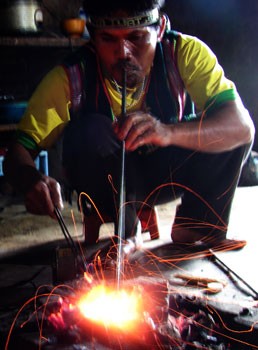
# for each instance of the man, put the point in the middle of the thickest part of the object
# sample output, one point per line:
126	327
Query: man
171	150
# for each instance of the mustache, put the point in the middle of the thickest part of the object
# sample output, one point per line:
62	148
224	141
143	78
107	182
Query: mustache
126	65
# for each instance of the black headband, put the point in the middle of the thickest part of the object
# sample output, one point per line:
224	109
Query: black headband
144	19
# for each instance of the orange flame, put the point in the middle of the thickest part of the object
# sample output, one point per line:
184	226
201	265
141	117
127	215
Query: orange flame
117	308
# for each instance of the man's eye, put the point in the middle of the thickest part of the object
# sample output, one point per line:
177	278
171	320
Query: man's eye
136	37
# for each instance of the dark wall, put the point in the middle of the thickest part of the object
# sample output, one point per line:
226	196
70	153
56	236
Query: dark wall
230	28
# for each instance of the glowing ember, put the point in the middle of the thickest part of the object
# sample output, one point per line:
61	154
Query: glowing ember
113	308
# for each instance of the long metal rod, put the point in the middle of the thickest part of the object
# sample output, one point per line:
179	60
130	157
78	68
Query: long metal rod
121	217
228	269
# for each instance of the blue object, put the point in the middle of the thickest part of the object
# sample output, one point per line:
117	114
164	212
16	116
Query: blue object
41	163
11	112
83	15
1	165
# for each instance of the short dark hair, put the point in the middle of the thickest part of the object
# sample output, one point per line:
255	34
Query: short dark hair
132	7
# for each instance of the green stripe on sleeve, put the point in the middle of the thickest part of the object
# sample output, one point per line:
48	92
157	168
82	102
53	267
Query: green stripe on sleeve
217	100
26	140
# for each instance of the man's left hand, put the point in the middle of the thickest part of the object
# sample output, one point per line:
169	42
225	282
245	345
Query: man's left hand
138	129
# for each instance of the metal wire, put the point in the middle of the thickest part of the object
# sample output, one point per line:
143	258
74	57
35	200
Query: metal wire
121	217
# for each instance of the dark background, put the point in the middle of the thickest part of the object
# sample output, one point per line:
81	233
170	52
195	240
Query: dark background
230	28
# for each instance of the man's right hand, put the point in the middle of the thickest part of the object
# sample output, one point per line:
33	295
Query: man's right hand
43	196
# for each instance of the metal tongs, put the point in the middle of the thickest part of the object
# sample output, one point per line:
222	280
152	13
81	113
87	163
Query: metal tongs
229	271
79	257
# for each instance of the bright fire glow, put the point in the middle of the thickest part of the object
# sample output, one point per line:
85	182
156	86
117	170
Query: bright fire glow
113	308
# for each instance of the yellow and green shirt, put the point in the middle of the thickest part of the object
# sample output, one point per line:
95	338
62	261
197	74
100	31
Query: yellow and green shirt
48	110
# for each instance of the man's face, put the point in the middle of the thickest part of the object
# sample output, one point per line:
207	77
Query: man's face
132	49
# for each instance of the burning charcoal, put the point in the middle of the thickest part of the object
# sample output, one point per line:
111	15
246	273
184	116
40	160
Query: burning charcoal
193	324
197	345
54	306
209	338
65	318
170	329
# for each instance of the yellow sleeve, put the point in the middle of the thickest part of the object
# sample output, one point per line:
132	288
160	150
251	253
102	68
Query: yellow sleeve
48	109
200	71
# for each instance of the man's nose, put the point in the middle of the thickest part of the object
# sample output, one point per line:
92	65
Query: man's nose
124	49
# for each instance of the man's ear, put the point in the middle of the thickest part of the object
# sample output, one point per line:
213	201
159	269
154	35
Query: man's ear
162	27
